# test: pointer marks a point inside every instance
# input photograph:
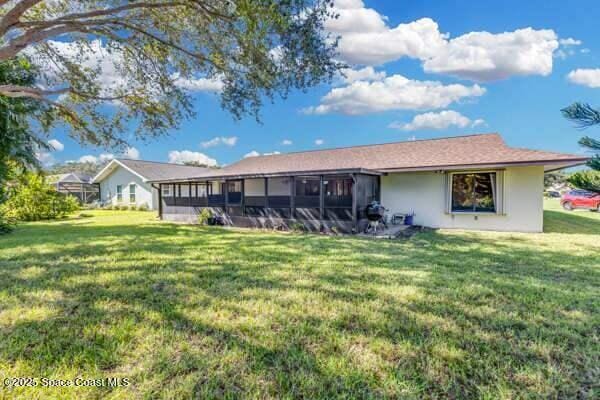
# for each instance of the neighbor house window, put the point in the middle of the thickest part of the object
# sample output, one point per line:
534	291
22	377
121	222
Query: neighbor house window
474	192
167	190
132	193
119	193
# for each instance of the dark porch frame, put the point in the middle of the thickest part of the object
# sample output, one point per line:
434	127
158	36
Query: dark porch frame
234	202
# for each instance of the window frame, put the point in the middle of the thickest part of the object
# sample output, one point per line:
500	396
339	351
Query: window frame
119	193
499	202
132	193
166	190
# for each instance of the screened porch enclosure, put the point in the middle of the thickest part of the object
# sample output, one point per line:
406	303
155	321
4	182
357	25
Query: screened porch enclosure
334	198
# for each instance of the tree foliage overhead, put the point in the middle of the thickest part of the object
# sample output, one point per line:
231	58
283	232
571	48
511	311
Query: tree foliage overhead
17	143
252	49
586	116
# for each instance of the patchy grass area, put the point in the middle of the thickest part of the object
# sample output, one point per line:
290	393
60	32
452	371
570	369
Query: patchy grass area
185	311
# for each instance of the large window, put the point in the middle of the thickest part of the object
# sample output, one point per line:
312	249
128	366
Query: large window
132	193
167	190
119	193
474	192
338	187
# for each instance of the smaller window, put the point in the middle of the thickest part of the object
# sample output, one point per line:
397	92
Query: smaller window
201	191
167	191
119	193
132	193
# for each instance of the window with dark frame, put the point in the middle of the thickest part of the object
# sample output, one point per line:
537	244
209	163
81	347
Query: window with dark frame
474	192
119	193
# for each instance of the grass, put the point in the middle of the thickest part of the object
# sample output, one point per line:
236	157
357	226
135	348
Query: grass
185	311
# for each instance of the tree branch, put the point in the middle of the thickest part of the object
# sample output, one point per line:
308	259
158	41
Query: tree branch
12	17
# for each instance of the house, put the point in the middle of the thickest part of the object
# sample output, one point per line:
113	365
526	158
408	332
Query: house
77	184
128	182
467	182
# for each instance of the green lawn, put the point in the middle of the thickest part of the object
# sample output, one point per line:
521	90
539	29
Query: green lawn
185	311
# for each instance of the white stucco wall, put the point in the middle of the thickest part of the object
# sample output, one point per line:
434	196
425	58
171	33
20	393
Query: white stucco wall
120	176
424	193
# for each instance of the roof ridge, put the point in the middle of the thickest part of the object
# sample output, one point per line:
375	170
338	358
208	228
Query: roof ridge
160	162
377	144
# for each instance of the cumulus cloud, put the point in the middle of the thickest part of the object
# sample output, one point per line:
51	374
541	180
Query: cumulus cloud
220	140
585	77
364	74
393	93
287	142
442	120
131	153
198	84
255	153
45	158
484	57
319	142
56	145
181	157
88	158
367	39
570	42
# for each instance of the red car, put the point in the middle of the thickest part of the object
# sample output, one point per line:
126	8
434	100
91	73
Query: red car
581	199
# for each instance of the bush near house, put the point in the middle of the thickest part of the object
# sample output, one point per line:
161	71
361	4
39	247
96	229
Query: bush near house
32	199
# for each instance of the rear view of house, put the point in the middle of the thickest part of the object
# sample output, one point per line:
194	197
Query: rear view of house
467	182
128	182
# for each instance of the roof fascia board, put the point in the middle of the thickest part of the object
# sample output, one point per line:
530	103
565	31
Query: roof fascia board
99	174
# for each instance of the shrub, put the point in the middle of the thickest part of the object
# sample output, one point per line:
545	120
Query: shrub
122	207
132	207
32	199
143	207
6	223
297	227
204	216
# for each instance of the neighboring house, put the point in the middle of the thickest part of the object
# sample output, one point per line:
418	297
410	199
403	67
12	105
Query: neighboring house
78	185
467	182
128	182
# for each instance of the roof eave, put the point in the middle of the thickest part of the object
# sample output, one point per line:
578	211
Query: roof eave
552	164
270	175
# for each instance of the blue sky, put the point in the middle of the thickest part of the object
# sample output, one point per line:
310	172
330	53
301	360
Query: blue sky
458	66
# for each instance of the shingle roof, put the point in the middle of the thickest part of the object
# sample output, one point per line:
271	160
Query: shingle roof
152	170
74	177
460	151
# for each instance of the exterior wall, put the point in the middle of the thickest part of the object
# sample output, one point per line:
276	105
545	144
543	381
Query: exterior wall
425	194
144	193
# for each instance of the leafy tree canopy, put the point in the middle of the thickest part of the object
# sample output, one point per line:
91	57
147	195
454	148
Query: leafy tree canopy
586	116
87	168
252	49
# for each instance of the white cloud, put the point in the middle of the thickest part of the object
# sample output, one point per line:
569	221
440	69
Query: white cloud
442	120
570	42
180	157
319	142
216	141
585	77
132	153
364	74
484	57
88	159
45	158
56	145
104	157
393	93
366	39
253	153
287	142
199	84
